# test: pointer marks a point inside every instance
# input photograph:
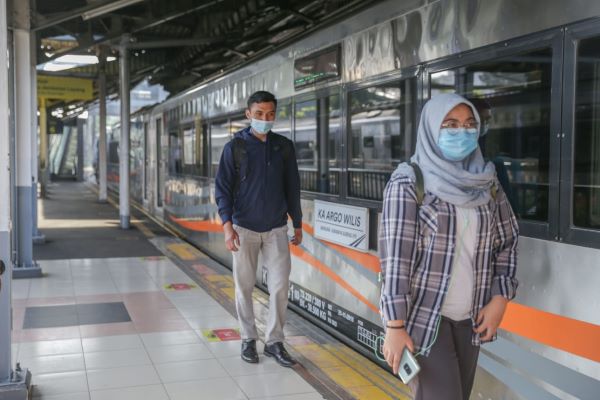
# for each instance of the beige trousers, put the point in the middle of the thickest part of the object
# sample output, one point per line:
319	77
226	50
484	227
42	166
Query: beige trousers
273	247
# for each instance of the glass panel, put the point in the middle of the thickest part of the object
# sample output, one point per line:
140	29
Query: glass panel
586	177
517	91
219	136
333	158
175	161
283	122
189	146
381	135
306	143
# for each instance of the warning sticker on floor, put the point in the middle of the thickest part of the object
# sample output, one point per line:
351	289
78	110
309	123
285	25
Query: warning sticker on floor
180	286
221	335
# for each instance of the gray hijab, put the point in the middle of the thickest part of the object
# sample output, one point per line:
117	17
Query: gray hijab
463	183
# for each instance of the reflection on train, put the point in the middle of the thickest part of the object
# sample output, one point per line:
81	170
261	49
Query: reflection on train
354	121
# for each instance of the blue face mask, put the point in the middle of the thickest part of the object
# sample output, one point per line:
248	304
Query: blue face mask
260	126
457	143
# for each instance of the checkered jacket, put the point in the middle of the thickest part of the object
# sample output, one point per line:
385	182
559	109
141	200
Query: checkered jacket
416	245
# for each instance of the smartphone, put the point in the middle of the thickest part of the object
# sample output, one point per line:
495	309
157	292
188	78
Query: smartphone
409	367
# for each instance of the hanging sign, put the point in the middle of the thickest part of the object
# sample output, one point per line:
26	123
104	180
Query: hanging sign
342	224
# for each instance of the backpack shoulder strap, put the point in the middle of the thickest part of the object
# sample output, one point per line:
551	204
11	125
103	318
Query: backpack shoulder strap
239	153
420	185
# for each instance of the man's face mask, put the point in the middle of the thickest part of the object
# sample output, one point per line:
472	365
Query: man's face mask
261	127
457	143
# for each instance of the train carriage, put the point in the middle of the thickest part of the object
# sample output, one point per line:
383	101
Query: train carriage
349	97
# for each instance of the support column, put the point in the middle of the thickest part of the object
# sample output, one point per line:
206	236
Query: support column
102	196
124	143
13	384
24	79
38	237
43	171
80	163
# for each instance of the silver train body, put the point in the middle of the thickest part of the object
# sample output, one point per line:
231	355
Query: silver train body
522	58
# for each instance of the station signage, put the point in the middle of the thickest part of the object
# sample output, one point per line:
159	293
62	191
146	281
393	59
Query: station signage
342	224
64	88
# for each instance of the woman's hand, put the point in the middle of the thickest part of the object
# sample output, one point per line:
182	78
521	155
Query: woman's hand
489	317
393	345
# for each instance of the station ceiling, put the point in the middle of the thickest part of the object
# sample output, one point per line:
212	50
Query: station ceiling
177	43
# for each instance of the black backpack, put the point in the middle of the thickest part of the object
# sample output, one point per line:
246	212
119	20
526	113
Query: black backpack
240	154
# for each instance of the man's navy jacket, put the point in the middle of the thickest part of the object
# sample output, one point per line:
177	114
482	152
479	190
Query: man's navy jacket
269	184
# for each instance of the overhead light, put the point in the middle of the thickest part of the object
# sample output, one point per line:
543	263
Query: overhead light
105	9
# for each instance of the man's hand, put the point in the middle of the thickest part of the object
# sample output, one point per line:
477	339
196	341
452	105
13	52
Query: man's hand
297	239
489	318
232	240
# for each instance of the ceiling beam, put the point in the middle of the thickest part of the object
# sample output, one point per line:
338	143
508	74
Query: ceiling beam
159	44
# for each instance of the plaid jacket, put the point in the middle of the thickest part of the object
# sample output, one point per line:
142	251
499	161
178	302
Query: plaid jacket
416	245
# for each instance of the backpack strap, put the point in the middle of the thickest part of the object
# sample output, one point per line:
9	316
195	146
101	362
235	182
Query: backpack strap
239	154
494	190
420	185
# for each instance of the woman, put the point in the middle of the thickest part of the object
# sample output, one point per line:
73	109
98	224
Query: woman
448	262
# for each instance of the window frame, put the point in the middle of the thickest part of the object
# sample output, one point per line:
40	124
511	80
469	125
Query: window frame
415	73
568	231
316	95
552	39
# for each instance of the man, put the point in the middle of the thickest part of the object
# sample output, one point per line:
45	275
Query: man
257	187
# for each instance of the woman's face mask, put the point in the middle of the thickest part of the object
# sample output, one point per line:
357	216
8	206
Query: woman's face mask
457	143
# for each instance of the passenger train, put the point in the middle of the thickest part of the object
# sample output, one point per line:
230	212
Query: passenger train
349	97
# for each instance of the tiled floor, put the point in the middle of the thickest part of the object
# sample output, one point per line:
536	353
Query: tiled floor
159	354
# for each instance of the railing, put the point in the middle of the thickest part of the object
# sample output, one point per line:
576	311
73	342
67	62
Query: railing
309	181
367	184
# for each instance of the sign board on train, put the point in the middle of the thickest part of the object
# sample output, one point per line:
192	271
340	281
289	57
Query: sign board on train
63	88
342	224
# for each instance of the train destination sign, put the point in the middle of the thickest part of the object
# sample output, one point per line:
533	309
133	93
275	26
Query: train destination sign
342	224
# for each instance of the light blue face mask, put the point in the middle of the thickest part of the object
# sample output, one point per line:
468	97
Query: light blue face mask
260	126
457	143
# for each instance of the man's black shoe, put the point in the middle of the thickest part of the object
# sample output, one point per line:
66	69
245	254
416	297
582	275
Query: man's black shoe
249	353
280	354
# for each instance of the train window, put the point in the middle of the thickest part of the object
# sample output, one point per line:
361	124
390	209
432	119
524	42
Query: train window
317	142
190	150
586	176
381	135
305	134
175	156
517	90
283	121
219	136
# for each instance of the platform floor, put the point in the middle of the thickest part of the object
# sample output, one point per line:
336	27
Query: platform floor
156	320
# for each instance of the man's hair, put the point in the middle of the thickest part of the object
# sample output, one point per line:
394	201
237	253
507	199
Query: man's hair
261	97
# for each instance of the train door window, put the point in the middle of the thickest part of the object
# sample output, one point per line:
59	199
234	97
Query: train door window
175	153
305	135
586	156
190	155
283	121
219	135
517	89
330	137
382	131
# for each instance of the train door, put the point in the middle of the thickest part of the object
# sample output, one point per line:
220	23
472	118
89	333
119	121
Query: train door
146	153
159	162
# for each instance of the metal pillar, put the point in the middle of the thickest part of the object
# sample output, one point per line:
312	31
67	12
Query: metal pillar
13	384
43	170
80	163
102	196
124	143
24	79
38	237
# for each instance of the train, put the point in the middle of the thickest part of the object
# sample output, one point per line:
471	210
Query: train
349	97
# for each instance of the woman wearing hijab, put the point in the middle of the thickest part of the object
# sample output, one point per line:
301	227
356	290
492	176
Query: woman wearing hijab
448	261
